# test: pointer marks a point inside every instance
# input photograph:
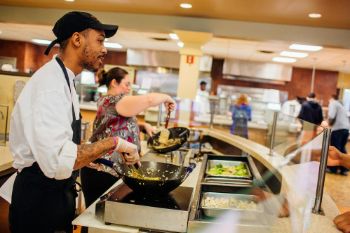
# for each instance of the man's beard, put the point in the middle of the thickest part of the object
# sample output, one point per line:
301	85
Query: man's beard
88	63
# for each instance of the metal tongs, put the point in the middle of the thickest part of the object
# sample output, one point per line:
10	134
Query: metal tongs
167	119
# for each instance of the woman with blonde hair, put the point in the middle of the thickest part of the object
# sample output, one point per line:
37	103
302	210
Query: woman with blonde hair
241	114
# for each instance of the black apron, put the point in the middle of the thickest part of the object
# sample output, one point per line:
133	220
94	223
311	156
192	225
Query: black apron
42	204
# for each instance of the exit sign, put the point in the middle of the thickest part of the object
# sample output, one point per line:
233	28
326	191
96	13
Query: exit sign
189	59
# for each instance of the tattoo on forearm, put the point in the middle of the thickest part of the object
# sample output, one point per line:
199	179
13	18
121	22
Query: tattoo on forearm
89	152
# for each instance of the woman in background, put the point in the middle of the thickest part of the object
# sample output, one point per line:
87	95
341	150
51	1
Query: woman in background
116	116
241	114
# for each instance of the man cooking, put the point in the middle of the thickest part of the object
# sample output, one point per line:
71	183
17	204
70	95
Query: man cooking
45	130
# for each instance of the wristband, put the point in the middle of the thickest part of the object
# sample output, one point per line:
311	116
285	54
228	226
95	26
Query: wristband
115	141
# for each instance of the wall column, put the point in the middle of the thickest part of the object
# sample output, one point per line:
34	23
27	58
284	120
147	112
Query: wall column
189	70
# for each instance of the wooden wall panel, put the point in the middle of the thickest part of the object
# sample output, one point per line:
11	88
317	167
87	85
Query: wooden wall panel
13	49
31	56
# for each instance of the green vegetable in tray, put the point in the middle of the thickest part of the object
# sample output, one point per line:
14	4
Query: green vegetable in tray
221	170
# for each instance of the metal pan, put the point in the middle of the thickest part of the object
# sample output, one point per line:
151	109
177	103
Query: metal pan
168	176
181	133
244	204
227	163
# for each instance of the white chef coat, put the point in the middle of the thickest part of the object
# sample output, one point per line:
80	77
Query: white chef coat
336	110
40	128
202	102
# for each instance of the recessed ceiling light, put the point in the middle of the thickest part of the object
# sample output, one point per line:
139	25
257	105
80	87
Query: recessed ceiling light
112	45
41	41
173	36
180	44
293	54
305	47
186	5
69	0
284	59
315	15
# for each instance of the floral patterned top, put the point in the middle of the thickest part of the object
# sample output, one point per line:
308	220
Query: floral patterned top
109	123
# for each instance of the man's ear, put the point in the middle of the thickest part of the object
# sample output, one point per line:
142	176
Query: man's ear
76	39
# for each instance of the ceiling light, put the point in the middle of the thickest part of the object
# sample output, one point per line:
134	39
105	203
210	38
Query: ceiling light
186	5
69	0
284	59
293	54
315	15
180	44
304	47
41	41
112	45
173	36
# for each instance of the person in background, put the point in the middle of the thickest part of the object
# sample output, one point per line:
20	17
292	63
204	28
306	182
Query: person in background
116	116
202	99
337	158
241	114
311	110
339	121
292	107
45	130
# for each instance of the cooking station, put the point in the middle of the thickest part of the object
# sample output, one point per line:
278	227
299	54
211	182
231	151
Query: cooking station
185	208
123	206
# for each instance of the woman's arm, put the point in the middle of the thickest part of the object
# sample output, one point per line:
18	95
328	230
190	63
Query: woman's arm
130	106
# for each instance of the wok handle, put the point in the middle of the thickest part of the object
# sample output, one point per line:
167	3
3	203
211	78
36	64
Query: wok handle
106	162
190	168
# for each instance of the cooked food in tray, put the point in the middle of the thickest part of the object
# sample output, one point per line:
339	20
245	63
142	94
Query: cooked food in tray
219	169
215	204
228	203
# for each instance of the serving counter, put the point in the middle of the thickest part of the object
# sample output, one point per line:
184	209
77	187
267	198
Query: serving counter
279	182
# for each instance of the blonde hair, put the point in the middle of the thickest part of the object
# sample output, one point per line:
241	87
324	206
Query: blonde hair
242	99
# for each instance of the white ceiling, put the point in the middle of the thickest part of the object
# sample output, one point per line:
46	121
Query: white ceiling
328	59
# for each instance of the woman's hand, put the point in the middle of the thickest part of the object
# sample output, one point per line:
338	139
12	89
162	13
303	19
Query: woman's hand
169	103
343	222
150	130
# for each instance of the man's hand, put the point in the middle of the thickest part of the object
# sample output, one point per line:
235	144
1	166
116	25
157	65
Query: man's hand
343	222
129	151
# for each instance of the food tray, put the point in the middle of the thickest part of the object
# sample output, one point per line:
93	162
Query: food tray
227	163
216	212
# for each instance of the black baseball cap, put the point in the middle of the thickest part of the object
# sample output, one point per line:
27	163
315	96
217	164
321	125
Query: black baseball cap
77	21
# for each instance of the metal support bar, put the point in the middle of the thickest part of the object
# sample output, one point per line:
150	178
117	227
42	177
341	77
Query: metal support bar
7	116
159	116
322	172
273	132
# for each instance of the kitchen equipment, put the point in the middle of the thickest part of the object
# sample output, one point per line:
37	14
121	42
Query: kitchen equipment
231	179
180	133
212	164
168	213
167	119
245	205
152	178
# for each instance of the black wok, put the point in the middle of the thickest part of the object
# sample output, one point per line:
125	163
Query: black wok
181	133
170	176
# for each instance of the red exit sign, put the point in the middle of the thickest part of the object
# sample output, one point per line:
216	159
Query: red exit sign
189	59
